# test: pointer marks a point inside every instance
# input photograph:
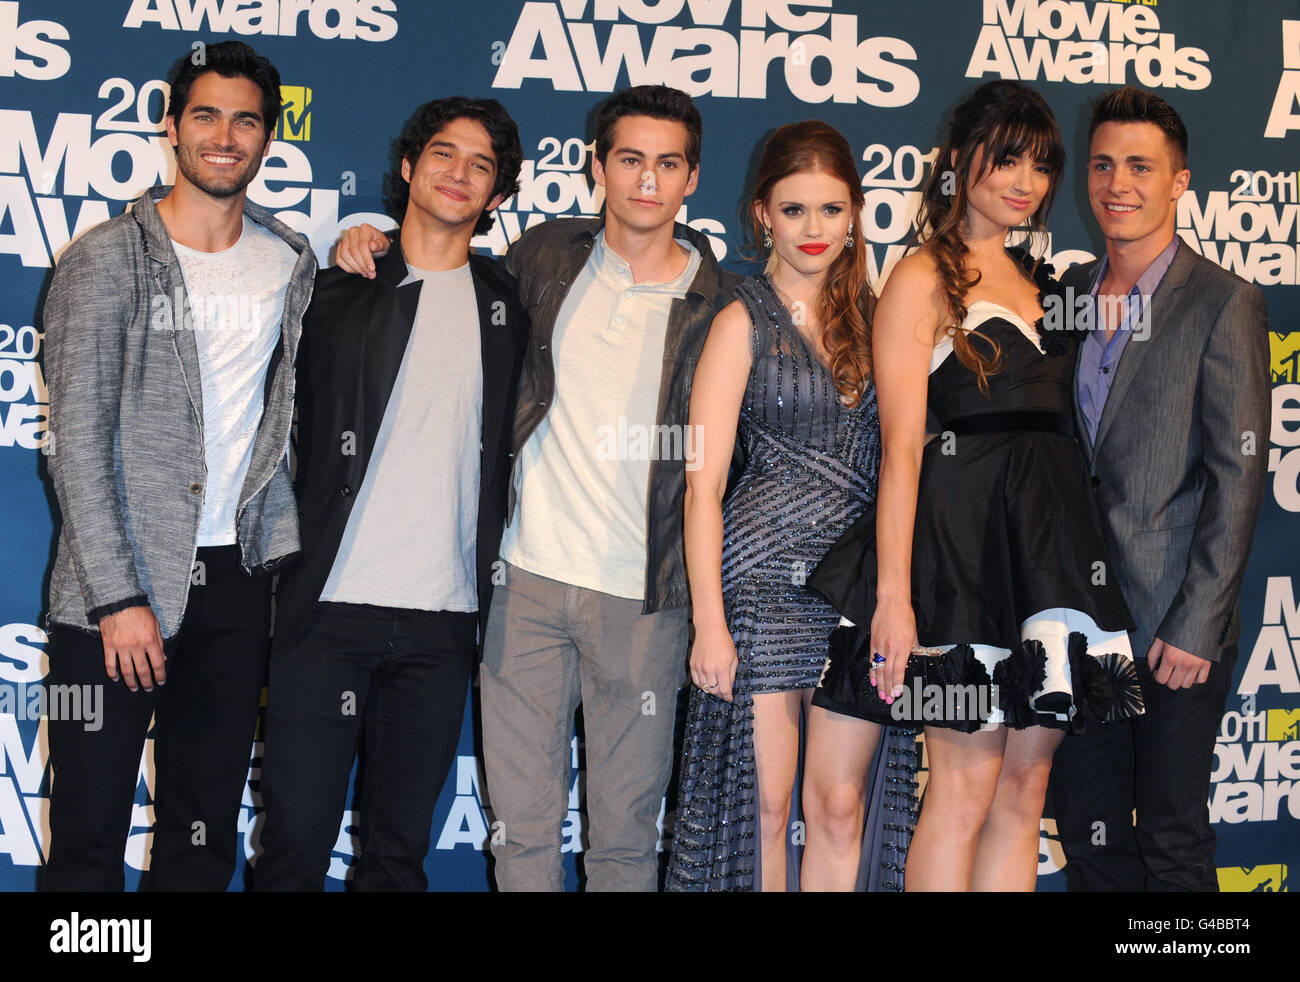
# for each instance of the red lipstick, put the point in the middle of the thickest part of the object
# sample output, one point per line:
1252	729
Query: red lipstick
814	248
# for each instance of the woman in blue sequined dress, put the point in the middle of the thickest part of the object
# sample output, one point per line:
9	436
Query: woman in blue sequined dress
786	368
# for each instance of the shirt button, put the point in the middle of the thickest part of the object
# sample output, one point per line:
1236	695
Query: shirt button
1105	371
542	348
196	488
345	490
628	294
618	319
1096	481
542	404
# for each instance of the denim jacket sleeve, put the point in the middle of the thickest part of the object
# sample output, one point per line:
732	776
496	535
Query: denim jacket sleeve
85	319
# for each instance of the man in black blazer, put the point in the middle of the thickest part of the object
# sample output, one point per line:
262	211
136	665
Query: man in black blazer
1172	398
406	395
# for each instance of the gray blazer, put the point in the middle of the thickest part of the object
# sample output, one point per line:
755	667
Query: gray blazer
1178	492
126	411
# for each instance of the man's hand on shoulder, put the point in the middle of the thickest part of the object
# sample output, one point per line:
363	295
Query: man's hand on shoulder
358	248
133	641
1176	668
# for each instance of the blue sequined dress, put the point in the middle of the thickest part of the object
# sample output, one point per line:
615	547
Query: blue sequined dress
811	468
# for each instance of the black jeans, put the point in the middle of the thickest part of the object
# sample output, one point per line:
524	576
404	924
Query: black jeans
394	678
204	722
1158	763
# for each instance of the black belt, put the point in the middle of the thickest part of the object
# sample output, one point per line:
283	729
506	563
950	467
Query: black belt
1003	422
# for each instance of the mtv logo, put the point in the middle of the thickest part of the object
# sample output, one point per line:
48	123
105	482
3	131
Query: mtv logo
1284	724
295	115
1253	879
1285	349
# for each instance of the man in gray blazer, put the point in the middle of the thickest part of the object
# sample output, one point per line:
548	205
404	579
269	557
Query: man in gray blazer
1172	398
171	333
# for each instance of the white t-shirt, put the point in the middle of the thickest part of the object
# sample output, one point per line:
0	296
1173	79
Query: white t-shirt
237	303
585	471
411	538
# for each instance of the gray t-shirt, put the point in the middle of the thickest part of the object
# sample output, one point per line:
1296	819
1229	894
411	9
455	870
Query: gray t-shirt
410	540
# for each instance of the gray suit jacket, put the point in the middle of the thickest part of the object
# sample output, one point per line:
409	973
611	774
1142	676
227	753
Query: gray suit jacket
126	408
1178	465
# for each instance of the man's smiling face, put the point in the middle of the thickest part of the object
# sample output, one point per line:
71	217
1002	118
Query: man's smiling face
1134	183
220	136
452	181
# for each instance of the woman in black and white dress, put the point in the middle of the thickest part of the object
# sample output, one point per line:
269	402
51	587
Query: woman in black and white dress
981	571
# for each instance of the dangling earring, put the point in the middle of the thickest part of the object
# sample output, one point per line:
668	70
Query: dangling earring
767	237
848	239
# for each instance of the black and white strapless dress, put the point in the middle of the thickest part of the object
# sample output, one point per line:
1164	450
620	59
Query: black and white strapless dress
1010	577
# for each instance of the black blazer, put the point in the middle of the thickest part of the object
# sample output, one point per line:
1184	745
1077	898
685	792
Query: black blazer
354	337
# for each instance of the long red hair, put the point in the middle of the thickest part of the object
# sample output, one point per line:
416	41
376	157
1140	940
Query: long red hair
845	302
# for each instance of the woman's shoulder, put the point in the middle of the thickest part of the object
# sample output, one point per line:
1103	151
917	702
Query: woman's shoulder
914	285
732	321
916	272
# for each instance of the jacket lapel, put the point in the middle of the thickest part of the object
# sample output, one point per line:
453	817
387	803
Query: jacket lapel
171	284
1080	284
187	348
1135	351
388	331
496	350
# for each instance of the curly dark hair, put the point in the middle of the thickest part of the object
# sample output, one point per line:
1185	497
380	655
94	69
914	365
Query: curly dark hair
657	102
229	59
428	120
1000	119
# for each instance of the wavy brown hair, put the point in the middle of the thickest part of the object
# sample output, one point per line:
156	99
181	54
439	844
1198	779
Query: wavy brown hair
1000	119
845	302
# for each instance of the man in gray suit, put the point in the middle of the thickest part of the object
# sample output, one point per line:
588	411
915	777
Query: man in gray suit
1172	396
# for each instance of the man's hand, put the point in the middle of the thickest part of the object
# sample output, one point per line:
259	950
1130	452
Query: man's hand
358	247
1175	667
133	640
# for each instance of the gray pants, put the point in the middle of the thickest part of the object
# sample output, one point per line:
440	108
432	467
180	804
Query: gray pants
549	647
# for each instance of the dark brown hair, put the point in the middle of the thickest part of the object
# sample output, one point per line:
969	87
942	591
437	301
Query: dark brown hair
428	121
657	102
1133	105
845	302
229	59
1003	119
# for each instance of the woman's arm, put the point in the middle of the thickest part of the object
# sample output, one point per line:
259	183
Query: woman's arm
903	332
716	394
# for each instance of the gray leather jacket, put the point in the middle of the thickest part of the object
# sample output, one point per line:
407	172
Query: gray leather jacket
126	421
546	259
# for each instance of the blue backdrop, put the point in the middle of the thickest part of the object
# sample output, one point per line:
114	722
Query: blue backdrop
81	135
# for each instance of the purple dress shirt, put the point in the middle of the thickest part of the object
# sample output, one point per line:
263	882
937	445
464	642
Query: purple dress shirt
1098	358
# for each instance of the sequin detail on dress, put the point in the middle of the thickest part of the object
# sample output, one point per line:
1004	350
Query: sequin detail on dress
811	465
